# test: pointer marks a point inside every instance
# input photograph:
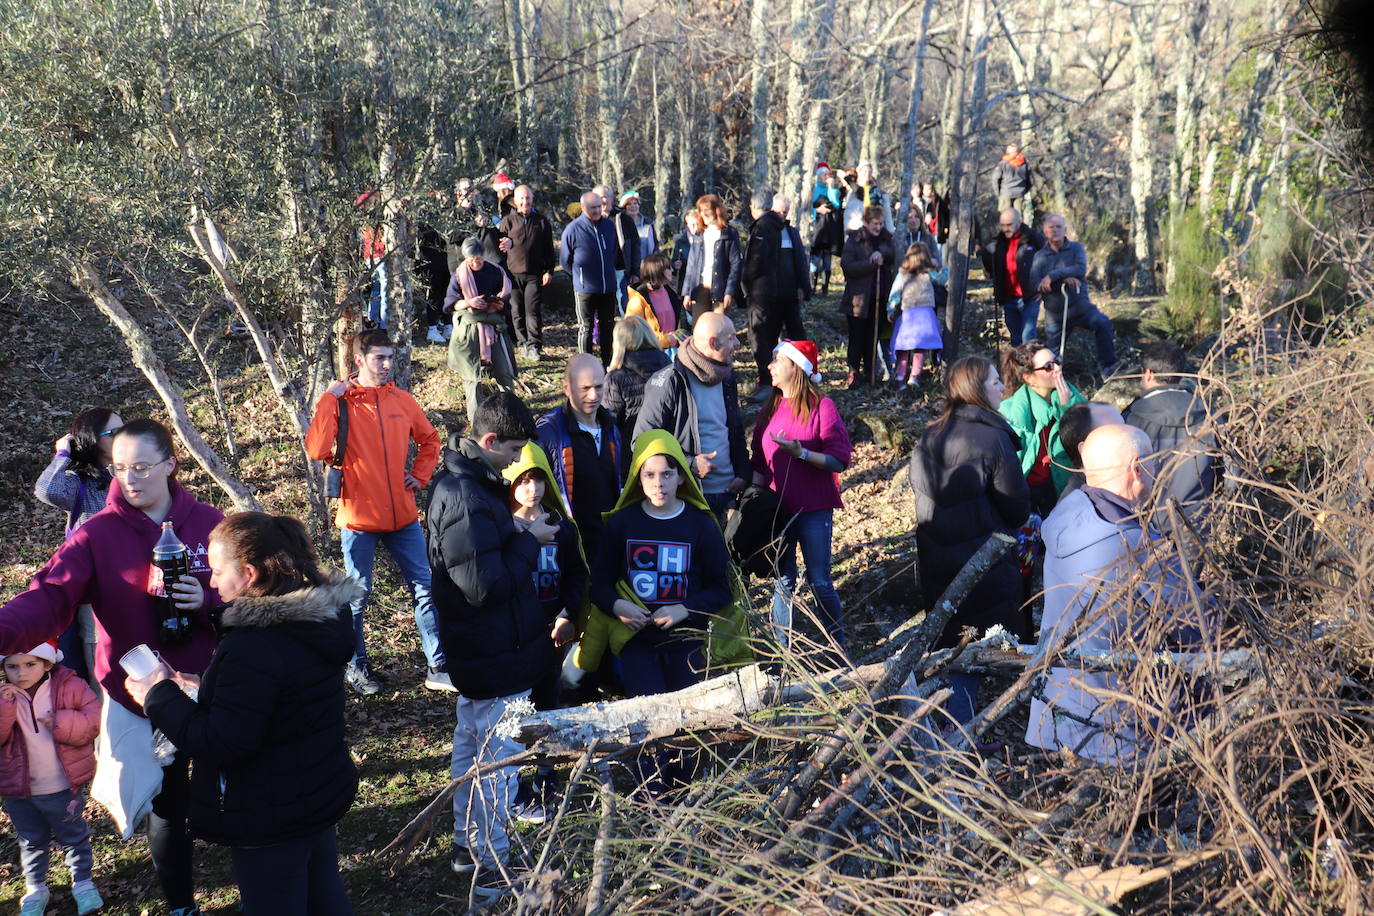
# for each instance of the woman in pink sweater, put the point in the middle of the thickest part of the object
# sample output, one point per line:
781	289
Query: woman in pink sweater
800	447
49	718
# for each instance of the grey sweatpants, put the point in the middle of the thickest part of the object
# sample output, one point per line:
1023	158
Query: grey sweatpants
40	820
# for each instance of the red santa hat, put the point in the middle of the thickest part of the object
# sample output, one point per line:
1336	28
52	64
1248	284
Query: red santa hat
822	165
502	182
804	354
47	651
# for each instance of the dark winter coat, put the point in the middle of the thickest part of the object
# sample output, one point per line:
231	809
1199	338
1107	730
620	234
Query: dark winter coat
490	623
860	271
726	276
624	395
828	237
266	735
994	256
1178	423
968	484
628	255
531	243
1071	260
669	405
764	272
1012	181
588	252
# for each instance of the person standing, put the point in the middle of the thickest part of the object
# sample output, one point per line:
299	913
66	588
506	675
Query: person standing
377	505
644	227
1007	259
827	205
775	282
1012	181
530	261
1058	274
107	561
712	277
911	309
868	262
627	251
864	194
588	252
801	446
582	442
491	623
1040	394
687	239
479	297
655	300
968	485
696	399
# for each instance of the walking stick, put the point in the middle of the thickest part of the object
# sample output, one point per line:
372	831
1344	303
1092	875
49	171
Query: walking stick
1063	325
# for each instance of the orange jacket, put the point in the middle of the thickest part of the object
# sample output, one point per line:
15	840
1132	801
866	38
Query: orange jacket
381	423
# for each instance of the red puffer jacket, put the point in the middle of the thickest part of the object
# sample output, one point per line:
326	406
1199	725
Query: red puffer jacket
76	722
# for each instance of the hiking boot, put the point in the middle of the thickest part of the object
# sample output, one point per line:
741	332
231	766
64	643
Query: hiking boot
87	898
461	861
438	679
854	381
490	884
360	680
35	902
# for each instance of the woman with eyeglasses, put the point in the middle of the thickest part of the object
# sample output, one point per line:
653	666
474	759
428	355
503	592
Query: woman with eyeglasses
76	482
108	563
1038	394
968	484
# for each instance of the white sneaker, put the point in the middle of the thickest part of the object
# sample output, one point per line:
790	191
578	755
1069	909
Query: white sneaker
435	336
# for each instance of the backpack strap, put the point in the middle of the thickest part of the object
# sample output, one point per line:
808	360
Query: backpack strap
340	437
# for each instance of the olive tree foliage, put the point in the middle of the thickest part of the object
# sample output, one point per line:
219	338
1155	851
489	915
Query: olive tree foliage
197	166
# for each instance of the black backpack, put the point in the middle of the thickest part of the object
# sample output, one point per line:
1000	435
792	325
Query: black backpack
754	533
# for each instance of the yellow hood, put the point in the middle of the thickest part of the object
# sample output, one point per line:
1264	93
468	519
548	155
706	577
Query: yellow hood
532	458
659	442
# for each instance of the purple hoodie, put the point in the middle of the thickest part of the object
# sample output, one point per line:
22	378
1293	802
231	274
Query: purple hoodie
107	563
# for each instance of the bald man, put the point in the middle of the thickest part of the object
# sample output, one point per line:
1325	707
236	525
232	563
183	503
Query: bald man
1007	260
1102	573
588	252
530	261
582	442
696	398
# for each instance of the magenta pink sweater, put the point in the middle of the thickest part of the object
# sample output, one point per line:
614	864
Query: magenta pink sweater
802	487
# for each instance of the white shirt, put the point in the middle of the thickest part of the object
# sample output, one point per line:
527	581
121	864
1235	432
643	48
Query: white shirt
708	268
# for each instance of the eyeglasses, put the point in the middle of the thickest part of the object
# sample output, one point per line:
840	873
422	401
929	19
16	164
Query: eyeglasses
112	431
1048	367
139	470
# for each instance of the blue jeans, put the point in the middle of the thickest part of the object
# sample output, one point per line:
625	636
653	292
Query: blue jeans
653	669
407	547
1021	318
720	503
43	819
963	699
1093	320
481	808
813	532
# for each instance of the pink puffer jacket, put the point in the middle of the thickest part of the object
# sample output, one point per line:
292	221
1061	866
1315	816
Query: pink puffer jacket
76	722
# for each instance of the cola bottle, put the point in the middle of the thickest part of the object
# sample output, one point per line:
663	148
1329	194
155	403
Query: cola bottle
172	560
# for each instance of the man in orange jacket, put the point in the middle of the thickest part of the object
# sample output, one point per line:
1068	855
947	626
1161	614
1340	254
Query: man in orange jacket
377	498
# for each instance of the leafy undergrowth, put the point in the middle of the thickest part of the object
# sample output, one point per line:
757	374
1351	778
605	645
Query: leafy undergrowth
65	357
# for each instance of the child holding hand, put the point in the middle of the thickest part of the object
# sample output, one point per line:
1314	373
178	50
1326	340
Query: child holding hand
49	718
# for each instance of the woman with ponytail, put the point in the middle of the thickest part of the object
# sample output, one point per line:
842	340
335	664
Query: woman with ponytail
272	775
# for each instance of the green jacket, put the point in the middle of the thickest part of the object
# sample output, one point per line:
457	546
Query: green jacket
1029	414
727	644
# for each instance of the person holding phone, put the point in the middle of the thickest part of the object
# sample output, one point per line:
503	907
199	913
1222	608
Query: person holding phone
479	348
800	447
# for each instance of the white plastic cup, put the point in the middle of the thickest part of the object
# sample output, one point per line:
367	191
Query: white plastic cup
140	662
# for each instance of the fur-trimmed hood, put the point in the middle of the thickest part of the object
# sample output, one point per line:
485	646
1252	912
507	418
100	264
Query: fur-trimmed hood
309	605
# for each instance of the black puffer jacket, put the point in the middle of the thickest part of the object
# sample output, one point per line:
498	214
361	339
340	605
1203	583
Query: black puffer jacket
1176	418
968	484
490	622
624	395
266	737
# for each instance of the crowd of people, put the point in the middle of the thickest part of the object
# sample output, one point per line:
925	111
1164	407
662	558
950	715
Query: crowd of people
600	524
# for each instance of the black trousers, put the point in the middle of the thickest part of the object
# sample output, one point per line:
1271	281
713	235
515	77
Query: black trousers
527	309
169	841
861	355
767	321
299	877
598	308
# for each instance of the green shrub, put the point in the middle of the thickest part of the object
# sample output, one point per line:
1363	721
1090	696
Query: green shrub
1192	307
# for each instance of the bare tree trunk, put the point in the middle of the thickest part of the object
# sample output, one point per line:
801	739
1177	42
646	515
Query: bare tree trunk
971	75
662	163
1250	126
913	105
609	94
1142	149
758	88
140	345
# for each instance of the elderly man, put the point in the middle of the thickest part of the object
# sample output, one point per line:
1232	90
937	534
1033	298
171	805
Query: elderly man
1007	260
627	253
1058	274
528	243
1105	591
776	282
1178	421
1075	426
1013	180
588	252
583	443
696	398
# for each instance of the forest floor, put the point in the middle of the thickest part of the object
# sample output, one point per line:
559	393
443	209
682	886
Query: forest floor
64	356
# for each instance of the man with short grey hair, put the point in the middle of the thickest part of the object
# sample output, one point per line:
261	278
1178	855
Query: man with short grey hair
1058	274
776	280
588	253
627	253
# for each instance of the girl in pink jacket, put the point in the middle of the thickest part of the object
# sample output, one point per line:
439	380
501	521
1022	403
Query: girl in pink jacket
49	718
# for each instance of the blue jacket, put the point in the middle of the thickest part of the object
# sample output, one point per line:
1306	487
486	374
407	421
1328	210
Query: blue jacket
553	434
1071	260
725	277
587	251
1095	546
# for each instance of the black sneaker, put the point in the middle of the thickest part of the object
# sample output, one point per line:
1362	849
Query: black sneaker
360	680
490	884
461	861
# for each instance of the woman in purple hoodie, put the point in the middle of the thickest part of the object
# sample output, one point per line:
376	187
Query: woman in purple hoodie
800	447
107	563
